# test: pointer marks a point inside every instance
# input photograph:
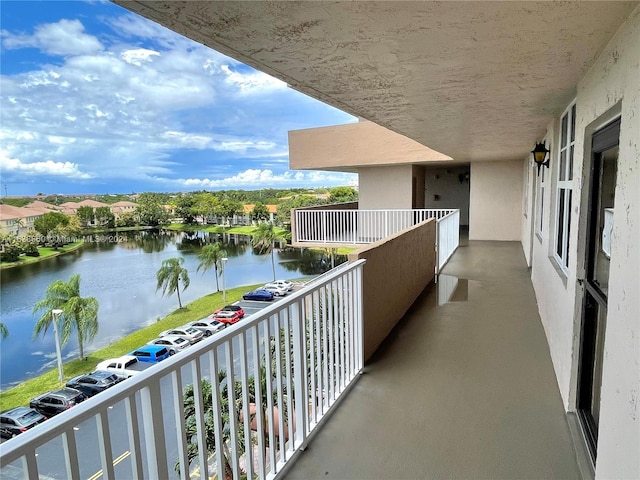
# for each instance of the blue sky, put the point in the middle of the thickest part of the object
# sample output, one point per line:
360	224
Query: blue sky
96	99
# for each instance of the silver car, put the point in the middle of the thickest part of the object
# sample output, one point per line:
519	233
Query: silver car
174	343
208	326
192	334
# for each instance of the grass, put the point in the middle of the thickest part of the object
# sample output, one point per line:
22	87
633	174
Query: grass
45	252
21	394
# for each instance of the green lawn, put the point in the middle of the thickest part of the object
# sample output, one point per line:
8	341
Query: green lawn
45	252
200	308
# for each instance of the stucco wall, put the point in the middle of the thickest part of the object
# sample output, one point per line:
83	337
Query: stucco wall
610	88
528	207
343	147
385	187
616	78
452	193
397	270
495	201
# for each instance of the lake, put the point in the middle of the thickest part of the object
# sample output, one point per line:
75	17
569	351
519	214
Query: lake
120	271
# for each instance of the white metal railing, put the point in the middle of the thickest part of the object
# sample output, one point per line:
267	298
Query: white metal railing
256	390
368	226
447	237
357	226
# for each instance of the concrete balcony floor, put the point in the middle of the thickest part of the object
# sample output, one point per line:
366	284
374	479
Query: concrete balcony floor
465	390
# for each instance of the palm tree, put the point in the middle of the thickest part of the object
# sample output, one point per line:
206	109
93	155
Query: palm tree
78	313
4	331
263	240
211	256
170	275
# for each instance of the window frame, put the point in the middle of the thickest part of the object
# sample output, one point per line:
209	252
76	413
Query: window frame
564	186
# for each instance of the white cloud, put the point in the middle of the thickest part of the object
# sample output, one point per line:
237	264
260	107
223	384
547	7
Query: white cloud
138	56
61	140
64	38
241	146
46	168
141	106
253	82
253	178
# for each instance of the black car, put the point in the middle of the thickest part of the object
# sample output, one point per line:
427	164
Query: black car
17	420
92	383
57	401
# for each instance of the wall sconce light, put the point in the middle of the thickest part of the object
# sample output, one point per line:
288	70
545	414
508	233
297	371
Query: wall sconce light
540	153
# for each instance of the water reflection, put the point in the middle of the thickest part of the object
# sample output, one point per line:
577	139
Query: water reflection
309	262
452	289
120	272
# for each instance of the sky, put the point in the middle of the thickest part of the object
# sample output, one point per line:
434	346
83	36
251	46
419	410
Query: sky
96	99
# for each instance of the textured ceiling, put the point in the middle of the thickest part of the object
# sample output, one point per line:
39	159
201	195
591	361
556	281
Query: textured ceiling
473	80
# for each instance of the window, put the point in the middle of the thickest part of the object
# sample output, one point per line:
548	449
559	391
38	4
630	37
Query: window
540	189
565	186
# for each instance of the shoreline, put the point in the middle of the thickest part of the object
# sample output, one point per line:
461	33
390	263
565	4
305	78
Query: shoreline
32	260
22	393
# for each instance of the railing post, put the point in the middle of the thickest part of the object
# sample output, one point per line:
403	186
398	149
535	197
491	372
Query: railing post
154	430
324	224
300	374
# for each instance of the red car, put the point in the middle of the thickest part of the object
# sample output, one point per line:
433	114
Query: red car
229	308
227	316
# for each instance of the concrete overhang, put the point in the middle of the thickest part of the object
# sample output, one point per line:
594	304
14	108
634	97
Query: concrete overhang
348	147
474	80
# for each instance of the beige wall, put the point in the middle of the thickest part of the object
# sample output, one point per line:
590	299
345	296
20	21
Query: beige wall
610	89
397	270
495	205
385	187
344	147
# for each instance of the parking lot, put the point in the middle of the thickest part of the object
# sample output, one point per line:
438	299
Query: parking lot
251	306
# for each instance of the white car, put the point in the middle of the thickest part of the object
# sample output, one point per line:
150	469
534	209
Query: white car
283	283
278	290
192	334
208	326
174	343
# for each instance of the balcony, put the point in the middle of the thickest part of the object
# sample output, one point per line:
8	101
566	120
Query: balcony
461	387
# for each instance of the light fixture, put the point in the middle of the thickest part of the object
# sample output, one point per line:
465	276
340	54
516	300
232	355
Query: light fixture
540	153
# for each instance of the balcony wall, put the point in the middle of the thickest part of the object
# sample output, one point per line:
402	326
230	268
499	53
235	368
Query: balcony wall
398	269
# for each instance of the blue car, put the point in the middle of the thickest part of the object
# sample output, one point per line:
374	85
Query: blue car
150	353
259	294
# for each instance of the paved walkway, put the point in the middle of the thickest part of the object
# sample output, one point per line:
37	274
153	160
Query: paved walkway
461	390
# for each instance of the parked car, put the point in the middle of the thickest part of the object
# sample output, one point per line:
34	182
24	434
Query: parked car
259	294
57	401
173	343
150	353
125	366
17	420
228	317
283	283
95	382
229	308
276	289
192	334
208	326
